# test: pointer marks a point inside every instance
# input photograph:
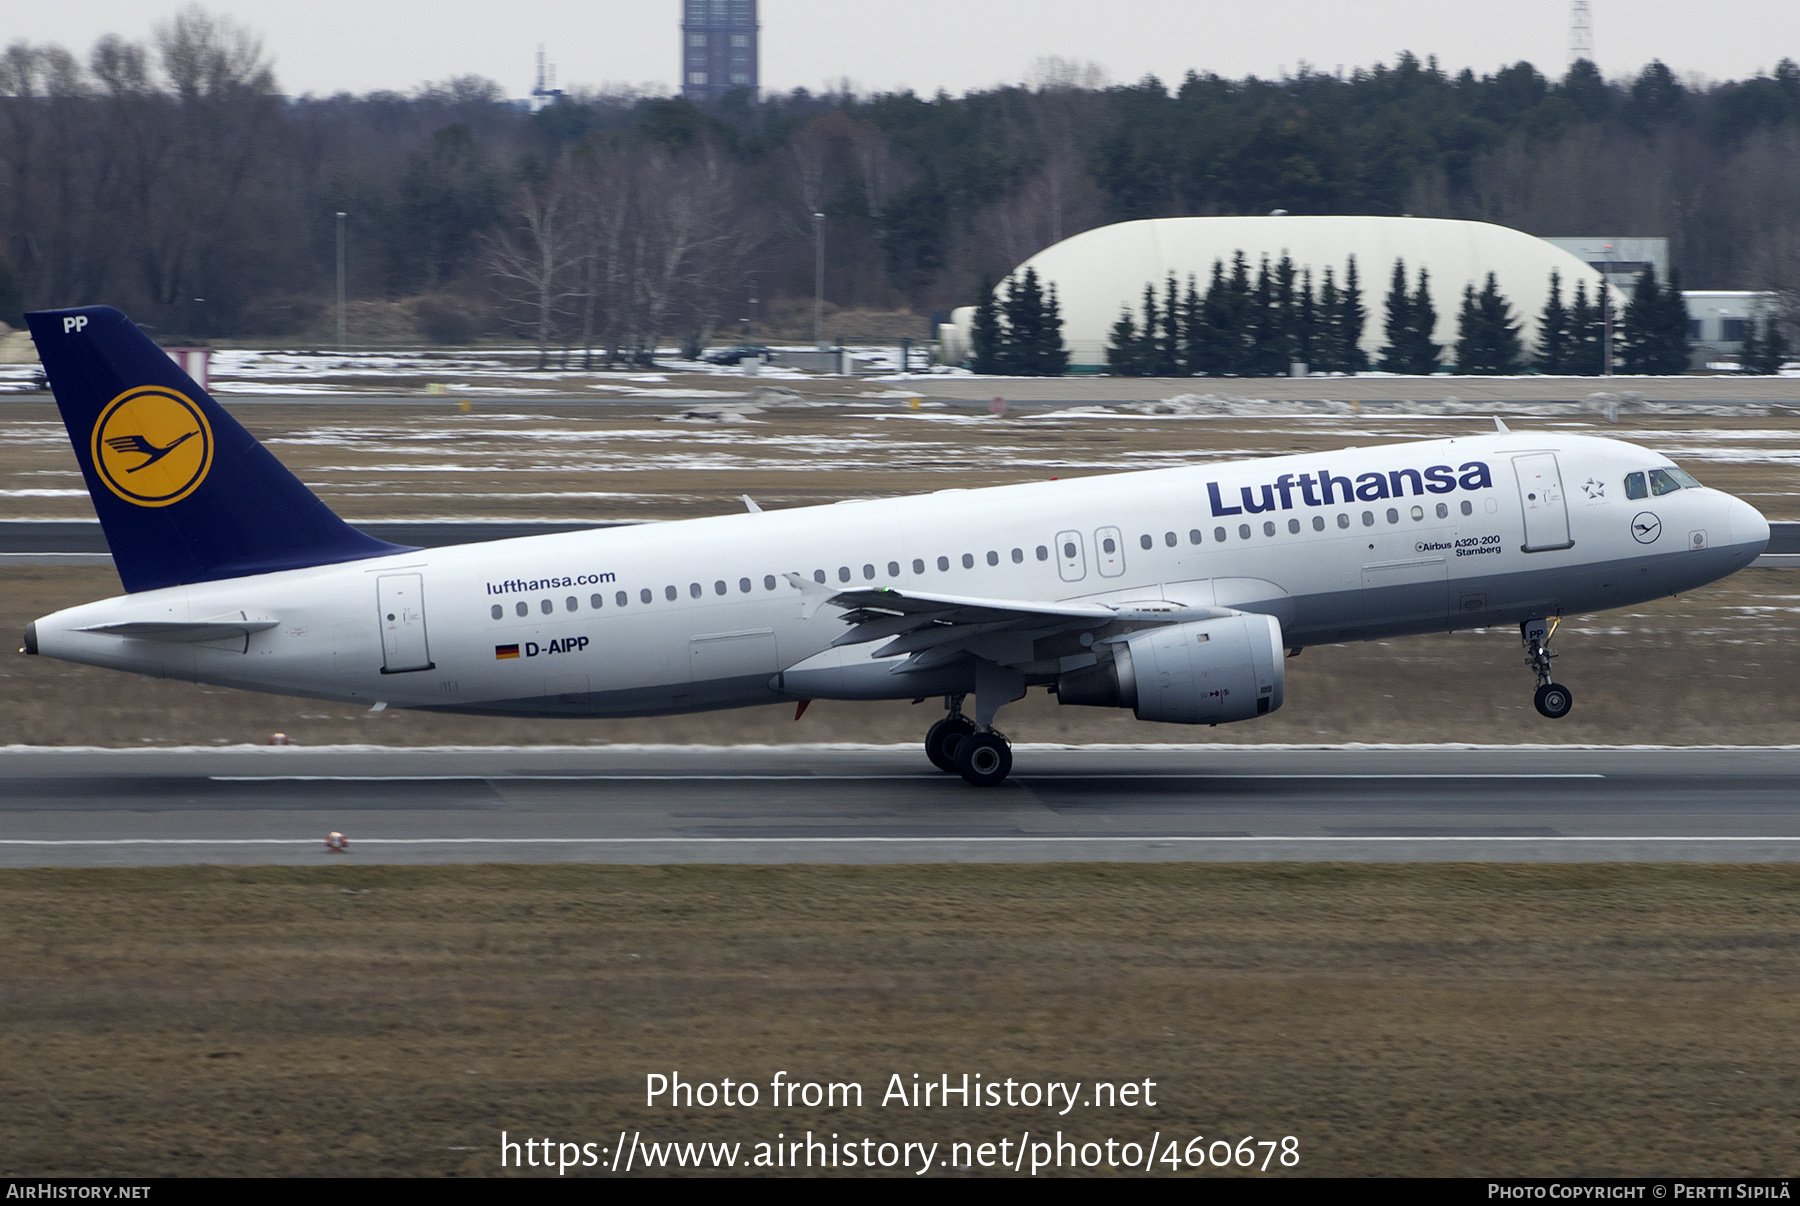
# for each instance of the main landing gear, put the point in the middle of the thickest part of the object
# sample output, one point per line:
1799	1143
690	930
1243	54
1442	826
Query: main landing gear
1552	699
955	745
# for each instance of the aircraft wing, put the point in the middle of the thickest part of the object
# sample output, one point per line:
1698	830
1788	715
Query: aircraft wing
934	630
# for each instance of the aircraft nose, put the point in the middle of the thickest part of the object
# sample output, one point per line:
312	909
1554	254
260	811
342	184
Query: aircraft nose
1748	527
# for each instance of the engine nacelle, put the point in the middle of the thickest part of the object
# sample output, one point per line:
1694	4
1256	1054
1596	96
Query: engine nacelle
1204	672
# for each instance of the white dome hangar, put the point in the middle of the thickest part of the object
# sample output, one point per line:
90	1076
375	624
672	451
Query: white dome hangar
1102	271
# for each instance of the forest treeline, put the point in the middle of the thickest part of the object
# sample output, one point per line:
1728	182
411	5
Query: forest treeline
173	178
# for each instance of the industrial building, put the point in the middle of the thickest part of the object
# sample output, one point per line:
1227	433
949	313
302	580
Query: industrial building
719	51
1101	272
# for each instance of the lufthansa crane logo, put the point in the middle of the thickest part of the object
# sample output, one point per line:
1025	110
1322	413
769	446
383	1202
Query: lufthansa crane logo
152	446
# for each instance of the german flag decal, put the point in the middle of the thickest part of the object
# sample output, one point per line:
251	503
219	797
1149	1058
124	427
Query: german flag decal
502	652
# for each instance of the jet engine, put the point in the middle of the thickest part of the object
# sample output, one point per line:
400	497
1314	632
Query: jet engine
1203	672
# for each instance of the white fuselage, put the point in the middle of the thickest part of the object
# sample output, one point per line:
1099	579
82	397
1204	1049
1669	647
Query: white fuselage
697	614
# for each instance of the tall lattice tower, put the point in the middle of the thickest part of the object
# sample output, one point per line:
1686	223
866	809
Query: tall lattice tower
1581	33
718	47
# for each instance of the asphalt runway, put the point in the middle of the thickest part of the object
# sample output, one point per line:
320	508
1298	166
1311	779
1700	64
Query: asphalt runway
884	804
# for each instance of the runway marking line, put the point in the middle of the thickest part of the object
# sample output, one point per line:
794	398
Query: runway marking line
640	841
819	778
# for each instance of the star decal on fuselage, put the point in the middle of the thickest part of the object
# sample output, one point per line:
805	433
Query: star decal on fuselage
1593	489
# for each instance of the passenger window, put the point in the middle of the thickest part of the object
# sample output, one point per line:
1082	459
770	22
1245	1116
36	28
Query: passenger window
1268	528
1418	513
621	598
893	569
670	593
522	608
868	573
819	577
943	564
993	558
1069	550
694	589
918	566
1368	519
968	560
572	604
1318	523
1634	486
597	601
1293	527
1144	541
843	573
1662	483
644	595
1219	535
547	606
1393	515
1043	554
1109	545
1018	556
719	587
1468	508
498	611
1193	535
768	581
1169	539
1243	531
1343	521
743	586
1443	510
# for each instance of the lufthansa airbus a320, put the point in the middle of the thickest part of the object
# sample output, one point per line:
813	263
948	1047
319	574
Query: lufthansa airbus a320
1176	593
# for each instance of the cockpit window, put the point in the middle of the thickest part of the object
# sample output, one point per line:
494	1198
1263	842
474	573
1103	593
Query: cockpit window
1634	486
1663	482
1681	475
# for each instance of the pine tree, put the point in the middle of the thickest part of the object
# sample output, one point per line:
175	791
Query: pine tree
1146	349
1287	316
1240	322
1775	348
1021	309
1328	328
1268	356
1306	321
1052	358
1472	338
1193	331
1677	352
1426	357
1553	332
1350	323
1585	333
1504	347
1212	353
1168	342
1399	322
986	337
1122	348
1643	326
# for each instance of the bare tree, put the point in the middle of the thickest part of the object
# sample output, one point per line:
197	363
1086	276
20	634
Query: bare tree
535	259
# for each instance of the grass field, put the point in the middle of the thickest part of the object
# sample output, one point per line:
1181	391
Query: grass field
1444	1020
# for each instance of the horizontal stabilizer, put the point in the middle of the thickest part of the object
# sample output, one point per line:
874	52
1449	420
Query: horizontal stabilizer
184	633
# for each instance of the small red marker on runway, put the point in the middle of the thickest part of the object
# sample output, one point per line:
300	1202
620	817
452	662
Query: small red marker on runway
336	843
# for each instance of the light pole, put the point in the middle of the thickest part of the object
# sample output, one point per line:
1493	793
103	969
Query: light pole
340	281
819	281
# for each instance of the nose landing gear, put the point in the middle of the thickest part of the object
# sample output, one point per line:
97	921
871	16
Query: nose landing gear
955	745
1552	699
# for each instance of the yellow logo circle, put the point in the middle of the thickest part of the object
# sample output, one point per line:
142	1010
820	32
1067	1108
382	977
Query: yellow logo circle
152	446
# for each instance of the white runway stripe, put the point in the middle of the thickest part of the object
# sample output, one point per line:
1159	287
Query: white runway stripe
730	841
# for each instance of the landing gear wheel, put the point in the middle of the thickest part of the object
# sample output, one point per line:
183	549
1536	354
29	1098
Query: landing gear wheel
1554	700
984	759
943	738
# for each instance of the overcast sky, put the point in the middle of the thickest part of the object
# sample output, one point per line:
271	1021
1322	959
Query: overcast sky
323	46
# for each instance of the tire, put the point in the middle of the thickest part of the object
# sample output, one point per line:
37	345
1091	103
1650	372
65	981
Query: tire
984	759
943	738
1554	700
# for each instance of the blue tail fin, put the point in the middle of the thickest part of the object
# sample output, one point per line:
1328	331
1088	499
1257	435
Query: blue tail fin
184	493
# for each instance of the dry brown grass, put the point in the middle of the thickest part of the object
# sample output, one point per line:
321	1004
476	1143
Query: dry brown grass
1449	1020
